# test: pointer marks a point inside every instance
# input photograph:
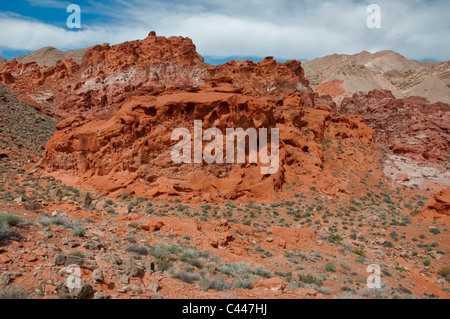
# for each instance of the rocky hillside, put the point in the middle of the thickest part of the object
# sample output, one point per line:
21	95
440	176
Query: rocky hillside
24	130
410	127
48	56
413	132
341	75
106	195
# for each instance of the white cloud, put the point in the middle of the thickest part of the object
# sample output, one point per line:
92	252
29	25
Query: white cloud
286	29
19	33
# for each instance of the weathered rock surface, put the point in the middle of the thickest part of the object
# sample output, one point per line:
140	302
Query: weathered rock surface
342	75
106	73
437	206
411	127
132	149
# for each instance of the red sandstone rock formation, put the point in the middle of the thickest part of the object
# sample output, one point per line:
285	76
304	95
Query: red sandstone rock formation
437	206
106	73
411	127
156	85
132	149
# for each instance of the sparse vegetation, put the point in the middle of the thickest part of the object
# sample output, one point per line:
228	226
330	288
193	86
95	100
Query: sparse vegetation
9	219
330	267
79	232
14	292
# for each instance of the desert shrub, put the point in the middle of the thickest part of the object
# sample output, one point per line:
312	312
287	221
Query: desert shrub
131	239
191	255
310	279
325	291
9	219
260	271
133	225
245	282
196	262
6	233
376	293
162	252
358	251
188	278
204	283
46	220
445	272
163	262
285	274
235	269
330	267
219	285
414	212
163	249
14	292
77	253
111	211
216	284
140	250
345	266
333	238
79	232
32	206
435	231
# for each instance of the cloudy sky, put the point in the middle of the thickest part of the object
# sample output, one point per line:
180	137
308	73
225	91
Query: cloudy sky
224	29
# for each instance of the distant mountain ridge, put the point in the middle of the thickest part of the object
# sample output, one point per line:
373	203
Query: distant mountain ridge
48	56
341	75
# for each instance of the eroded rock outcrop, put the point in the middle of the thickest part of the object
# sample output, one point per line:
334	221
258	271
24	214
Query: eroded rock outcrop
132	149
106	73
439	205
411	127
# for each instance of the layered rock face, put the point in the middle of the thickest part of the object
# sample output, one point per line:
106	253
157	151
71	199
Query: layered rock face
106	73
266	94
411	127
128	98
132	150
437	207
